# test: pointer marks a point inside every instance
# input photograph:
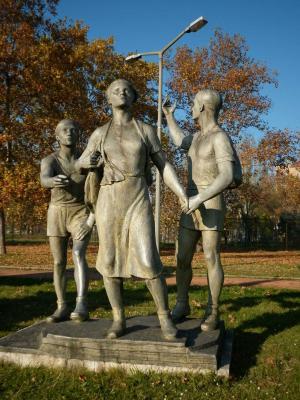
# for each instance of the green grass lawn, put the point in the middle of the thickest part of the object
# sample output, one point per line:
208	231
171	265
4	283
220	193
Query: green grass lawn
265	362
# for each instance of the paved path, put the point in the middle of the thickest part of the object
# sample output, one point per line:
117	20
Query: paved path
293	284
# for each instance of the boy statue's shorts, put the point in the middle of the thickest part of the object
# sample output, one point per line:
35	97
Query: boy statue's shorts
65	220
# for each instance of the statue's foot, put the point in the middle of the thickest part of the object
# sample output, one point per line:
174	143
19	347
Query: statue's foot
180	311
117	329
61	314
210	323
168	328
81	311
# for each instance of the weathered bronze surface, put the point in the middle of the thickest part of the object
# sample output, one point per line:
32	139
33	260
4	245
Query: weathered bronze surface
123	148
212	163
67	216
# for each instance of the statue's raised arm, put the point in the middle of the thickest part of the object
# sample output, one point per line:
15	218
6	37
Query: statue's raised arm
179	138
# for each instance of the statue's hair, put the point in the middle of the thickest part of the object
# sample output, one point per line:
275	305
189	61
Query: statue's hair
211	98
63	121
108	90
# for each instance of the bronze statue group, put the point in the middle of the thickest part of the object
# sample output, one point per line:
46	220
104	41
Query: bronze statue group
108	184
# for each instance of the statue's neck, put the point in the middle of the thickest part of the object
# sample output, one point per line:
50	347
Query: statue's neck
121	116
207	123
67	152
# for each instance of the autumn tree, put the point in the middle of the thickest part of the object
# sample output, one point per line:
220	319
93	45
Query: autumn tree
279	148
268	191
226	66
21	24
49	71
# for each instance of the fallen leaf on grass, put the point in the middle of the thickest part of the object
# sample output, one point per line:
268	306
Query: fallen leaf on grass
196	304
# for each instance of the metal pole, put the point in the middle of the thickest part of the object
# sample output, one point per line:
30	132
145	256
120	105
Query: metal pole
193	27
159	123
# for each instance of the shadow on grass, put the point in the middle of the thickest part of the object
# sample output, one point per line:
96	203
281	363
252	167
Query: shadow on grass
247	342
260	324
257	319
15	312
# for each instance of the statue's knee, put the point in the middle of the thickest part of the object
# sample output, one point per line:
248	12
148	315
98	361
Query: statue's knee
59	266
78	253
183	261
210	257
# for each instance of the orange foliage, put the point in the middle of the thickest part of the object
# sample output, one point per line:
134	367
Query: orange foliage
50	71
226	66
268	189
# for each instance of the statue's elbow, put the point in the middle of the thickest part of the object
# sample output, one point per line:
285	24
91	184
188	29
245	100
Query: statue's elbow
42	181
78	165
229	177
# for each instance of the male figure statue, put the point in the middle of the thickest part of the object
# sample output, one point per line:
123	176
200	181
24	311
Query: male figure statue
67	216
211	159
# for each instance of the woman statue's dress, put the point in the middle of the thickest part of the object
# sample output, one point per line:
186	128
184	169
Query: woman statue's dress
123	212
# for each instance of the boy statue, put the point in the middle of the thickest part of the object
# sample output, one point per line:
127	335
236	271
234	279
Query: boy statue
67	216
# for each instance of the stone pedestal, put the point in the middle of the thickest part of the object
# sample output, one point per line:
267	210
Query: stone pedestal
142	347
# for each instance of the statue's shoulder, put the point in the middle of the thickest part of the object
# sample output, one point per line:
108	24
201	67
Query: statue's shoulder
147	129
219	132
97	135
219	135
50	159
100	130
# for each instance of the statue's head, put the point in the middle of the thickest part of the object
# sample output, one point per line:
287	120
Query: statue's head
207	99
121	93
67	132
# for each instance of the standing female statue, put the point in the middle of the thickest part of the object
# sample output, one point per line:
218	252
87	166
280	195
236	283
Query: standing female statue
123	212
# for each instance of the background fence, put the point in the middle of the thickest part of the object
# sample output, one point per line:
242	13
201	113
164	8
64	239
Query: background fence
248	233
252	233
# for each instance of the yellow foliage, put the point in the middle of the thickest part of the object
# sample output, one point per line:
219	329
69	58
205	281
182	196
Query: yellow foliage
50	71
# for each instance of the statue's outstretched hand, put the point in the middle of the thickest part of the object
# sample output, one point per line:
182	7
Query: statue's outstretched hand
184	204
194	203
95	158
83	230
60	181
167	107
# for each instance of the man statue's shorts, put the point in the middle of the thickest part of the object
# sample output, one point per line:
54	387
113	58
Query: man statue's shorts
208	217
64	220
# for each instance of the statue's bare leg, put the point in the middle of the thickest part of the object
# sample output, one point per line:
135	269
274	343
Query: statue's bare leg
114	291
58	247
158	289
211	249
81	278
187	241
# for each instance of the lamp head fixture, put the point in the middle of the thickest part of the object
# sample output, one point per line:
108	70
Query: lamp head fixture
196	25
133	57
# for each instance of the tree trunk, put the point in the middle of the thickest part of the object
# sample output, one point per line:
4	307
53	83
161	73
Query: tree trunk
2	232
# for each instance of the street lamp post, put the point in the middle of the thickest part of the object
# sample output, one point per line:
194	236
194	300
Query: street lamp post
193	27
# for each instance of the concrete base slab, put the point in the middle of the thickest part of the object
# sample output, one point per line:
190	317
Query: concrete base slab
73	344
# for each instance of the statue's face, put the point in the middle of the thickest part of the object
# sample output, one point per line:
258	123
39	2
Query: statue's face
67	134
197	108
121	94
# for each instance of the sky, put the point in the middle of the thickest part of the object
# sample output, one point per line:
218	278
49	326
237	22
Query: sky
271	29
